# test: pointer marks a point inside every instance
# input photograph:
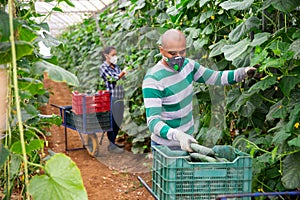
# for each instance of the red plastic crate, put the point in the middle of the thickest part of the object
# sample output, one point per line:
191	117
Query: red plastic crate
99	102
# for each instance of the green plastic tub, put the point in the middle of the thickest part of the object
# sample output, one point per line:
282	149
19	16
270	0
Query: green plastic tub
175	178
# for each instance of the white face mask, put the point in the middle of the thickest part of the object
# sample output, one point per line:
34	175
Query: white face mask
114	59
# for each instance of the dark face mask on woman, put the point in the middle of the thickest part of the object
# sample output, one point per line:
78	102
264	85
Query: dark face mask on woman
175	62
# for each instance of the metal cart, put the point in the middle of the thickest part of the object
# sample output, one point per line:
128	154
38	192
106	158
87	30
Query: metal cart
88	122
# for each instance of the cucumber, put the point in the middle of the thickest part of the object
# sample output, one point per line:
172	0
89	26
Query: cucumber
221	159
202	149
202	158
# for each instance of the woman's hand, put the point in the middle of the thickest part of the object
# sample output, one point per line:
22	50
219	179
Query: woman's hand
126	69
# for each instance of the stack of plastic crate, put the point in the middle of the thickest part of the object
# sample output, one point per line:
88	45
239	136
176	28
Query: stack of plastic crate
91	112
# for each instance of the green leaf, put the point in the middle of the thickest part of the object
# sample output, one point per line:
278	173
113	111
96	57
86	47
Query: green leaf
58	9
4	153
57	73
260	38
243	60
247	109
16	147
279	47
4	26
203	2
173	11
233	51
208	29
16	162
280	137
68	2
291	171
293	118
35	144
285	6
30	109
216	48
294	47
126	24
232	98
204	16
31	85
22	49
278	110
295	142
288	83
43	26
26	34
198	44
212	136
274	153
162	17
236	5
263	84
191	3
259	57
273	63
195	33
296	35
62	181
241	30
189	41
49	40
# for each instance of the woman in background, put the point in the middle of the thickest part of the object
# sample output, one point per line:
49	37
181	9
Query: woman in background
111	74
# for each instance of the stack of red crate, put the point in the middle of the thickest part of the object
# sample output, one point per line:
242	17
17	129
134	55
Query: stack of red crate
91	111
99	102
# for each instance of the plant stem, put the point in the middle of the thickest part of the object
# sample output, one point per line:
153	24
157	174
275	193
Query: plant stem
267	187
266	99
273	23
16	91
253	144
264	185
285	26
36	165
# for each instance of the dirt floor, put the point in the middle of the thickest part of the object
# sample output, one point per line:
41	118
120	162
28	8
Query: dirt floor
101	179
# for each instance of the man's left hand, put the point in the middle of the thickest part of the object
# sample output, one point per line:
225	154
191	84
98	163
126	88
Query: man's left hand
250	71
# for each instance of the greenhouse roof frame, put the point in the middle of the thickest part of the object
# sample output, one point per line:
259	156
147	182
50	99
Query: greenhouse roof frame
59	21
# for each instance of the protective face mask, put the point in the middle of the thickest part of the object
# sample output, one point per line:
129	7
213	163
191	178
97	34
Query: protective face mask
114	59
175	62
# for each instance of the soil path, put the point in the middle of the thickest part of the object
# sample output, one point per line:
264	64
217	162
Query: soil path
101	182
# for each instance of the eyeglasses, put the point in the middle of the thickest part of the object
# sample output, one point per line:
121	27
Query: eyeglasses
174	53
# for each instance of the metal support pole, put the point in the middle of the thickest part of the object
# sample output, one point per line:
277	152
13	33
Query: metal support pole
257	194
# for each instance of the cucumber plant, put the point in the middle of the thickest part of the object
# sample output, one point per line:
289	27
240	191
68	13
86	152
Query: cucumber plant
23	131
261	113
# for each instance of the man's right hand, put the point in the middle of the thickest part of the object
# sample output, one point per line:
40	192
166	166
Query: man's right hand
185	140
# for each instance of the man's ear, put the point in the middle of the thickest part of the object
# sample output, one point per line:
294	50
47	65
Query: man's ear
161	50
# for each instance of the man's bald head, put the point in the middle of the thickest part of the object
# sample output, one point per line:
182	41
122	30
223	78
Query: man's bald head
171	37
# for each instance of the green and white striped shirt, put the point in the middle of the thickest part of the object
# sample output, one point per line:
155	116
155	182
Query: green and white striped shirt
168	97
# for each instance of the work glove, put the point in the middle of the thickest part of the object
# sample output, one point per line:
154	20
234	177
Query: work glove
250	71
185	140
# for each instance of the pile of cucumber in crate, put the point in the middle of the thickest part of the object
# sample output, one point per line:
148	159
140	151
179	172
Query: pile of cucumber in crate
204	154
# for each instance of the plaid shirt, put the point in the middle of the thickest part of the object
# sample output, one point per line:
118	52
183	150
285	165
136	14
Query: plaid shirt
111	76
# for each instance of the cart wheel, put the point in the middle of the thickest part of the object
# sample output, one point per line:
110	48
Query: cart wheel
92	144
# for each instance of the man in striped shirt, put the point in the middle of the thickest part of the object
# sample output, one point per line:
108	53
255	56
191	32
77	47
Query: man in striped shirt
168	90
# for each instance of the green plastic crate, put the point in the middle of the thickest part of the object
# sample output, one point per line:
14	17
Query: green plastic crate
174	178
